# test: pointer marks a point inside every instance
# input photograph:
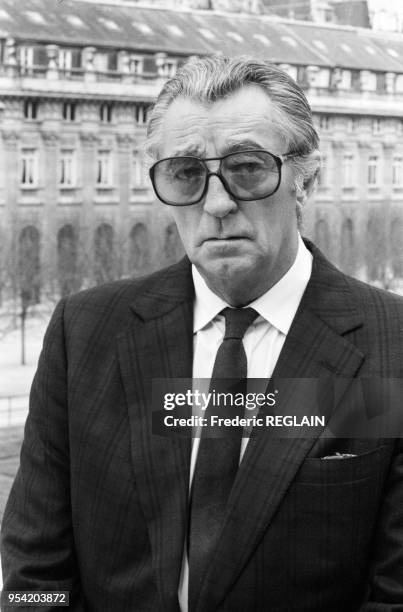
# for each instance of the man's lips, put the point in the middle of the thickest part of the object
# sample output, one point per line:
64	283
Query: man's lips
224	238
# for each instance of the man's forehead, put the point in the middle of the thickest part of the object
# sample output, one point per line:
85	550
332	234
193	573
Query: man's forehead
191	126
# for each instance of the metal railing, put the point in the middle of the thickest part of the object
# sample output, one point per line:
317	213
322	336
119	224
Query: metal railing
13	409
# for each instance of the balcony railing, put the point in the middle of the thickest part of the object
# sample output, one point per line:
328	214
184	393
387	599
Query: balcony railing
13	409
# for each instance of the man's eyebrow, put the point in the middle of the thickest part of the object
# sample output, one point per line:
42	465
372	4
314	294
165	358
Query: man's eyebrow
241	145
187	150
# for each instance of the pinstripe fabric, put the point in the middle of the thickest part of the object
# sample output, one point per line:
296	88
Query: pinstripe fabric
99	503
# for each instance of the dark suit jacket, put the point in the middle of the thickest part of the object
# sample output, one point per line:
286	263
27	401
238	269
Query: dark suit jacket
99	505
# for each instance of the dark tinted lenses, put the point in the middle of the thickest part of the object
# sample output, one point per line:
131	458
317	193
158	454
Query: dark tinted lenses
247	175
179	180
251	174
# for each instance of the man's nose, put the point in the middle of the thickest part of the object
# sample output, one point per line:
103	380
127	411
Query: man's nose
217	201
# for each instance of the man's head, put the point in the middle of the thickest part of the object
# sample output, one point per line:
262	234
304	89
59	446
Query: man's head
216	106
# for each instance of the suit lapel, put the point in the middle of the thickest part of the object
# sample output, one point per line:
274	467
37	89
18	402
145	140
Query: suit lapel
159	345
317	346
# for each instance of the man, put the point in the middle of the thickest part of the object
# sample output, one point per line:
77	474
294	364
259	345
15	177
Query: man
119	516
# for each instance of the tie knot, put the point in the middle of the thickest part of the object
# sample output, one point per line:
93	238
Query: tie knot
237	321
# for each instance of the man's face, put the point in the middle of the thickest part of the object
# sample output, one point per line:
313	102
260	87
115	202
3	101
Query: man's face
240	248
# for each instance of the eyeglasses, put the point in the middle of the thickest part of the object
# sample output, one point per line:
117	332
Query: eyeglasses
246	175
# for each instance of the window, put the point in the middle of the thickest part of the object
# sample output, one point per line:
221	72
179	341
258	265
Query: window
109	24
104	169
323	174
106	62
397	171
290	41
376	126
139	171
263	39
149	65
136	64
143	28
207	33
30	109
29	167
346	47
26	57
169	68
40	56
324	122
345	80
64	59
348	170
4	16
140	113
380	82
302	77
355	80
235	36
69	111
67	251
319	44
347	246
69	59
139	249
105	113
67	168
352	124
29	266
35	17
75	21
392	52
175	30
373	170
104	254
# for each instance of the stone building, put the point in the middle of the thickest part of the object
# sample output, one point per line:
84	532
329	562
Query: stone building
77	79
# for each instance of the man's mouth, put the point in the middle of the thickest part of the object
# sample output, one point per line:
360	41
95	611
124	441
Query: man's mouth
222	238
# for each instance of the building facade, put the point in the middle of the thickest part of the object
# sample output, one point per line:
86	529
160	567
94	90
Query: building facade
77	79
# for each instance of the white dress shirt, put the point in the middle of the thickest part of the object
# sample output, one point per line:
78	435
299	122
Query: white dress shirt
263	342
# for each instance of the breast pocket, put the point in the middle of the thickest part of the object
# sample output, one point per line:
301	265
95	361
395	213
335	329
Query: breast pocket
330	512
322	472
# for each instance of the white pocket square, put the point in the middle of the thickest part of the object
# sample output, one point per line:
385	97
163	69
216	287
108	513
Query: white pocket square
339	456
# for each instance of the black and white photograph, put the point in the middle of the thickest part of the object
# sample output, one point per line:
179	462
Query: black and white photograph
201	305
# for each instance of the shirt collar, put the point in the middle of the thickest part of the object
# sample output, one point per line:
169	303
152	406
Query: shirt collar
277	306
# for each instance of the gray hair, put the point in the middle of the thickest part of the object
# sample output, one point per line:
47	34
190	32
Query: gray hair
209	79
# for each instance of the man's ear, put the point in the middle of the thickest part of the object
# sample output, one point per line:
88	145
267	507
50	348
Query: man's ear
308	184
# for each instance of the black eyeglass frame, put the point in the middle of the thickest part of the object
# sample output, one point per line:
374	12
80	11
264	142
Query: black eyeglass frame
279	159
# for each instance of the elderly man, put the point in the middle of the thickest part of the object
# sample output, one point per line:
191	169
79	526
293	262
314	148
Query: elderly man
126	519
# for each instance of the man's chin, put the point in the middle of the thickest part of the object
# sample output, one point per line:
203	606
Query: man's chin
229	268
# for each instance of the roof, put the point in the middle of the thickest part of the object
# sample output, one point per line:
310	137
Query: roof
187	32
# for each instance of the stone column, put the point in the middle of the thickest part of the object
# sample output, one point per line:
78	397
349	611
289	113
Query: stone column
390	82
52	72
89	144
50	196
363	203
10	58
89	68
124	67
387	204
125	147
10	235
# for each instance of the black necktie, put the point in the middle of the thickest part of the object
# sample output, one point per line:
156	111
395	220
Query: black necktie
217	459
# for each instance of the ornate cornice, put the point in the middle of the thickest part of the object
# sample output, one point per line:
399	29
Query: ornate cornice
124	140
50	138
10	138
89	139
